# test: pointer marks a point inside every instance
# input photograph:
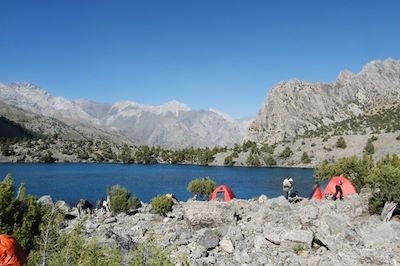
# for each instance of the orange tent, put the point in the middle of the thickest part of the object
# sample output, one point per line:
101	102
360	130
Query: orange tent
225	190
347	186
317	193
11	253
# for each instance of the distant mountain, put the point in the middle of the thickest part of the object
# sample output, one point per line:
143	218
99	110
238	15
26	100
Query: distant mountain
170	125
295	108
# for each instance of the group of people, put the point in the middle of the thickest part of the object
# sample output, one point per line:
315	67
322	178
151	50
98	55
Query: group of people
292	195
85	207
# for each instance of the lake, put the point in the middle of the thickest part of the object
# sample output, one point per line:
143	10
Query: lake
70	182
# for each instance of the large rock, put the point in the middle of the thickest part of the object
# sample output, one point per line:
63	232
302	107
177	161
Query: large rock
201	214
46	200
299	236
382	234
226	245
208	239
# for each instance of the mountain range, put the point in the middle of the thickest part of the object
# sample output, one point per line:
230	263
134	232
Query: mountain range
170	125
296	107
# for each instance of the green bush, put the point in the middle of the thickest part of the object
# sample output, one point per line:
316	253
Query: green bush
253	160
121	200
369	148
269	160
341	143
286	153
385	182
162	204
229	160
398	137
149	253
305	159
201	186
19	216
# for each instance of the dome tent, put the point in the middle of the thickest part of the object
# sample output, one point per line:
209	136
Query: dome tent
317	193
222	190
347	186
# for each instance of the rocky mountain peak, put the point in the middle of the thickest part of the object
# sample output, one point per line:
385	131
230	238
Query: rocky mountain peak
295	106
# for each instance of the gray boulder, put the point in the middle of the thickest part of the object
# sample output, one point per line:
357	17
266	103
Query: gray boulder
201	214
208	239
226	245
46	200
299	236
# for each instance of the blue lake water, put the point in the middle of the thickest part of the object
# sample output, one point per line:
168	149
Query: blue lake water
70	182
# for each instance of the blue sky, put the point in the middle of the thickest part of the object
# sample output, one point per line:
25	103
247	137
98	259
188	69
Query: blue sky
208	54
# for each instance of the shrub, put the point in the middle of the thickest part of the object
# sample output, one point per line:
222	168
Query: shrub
202	186
299	247
398	137
384	179
305	159
229	160
19	216
121	200
269	160
313	144
162	204
341	143
286	153
149	253
369	148
253	160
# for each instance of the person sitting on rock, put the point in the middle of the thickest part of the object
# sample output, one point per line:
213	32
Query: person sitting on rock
293	196
287	186
338	187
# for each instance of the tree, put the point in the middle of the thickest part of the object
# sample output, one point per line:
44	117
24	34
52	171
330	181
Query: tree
369	148
269	160
286	153
126	154
162	204
253	160
305	159
341	143
202	186
121	200
229	160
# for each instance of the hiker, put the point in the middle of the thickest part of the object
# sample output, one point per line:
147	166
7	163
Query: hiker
338	187
293	196
106	204
84	207
287	185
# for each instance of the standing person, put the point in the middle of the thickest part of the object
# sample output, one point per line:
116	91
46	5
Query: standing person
287	185
338	187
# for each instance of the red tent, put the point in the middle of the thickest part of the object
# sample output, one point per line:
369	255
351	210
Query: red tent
347	186
11	253
225	190
317	193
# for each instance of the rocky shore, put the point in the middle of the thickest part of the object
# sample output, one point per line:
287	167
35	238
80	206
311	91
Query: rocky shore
260	231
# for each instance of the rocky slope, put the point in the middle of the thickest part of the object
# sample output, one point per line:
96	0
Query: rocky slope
256	232
49	126
294	107
171	125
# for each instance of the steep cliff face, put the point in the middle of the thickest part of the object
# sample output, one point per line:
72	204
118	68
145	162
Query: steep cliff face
294	106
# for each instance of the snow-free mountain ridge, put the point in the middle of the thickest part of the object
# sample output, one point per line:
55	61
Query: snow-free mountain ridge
170	125
293	107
